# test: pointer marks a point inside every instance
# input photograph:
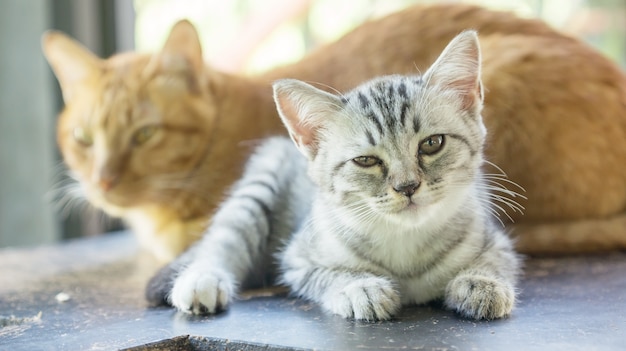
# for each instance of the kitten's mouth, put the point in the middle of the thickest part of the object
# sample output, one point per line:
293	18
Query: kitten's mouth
410	206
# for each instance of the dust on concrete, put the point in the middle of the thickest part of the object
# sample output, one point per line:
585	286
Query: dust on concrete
13	326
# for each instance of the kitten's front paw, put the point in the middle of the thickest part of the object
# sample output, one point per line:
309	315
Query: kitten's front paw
202	292
480	297
369	299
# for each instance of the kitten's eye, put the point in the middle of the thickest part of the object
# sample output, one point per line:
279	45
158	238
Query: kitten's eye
144	134
431	145
82	136
366	161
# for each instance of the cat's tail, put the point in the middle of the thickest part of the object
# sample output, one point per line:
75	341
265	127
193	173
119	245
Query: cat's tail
572	237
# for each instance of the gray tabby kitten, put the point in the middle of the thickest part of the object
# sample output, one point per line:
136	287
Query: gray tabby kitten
394	209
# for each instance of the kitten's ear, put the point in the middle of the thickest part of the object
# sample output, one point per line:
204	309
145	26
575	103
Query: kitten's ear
71	62
182	48
458	69
305	111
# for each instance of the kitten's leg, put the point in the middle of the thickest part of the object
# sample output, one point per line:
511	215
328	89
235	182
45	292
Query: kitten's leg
342	291
202	280
237	240
486	288
208	283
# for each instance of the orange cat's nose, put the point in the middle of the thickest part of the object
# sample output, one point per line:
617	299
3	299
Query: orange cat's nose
107	182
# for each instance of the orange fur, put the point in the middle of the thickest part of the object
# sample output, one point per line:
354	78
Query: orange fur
554	110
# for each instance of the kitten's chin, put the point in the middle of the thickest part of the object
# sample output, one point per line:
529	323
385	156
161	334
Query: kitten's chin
414	214
409	214
409	207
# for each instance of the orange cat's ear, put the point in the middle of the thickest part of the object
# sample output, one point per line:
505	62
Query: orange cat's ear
305	111
458	69
71	62
183	47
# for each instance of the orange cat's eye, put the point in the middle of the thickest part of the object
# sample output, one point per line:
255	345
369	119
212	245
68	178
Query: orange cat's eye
366	161
144	134
82	136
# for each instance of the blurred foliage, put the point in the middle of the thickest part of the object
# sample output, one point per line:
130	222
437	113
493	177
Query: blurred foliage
225	25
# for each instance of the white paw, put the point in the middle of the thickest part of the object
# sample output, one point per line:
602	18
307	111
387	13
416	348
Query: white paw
369	299
202	292
480	297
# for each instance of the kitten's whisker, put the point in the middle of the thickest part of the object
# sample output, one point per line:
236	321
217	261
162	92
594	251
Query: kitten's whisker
494	178
497	187
419	72
499	190
359	211
502	210
486	206
513	206
496	215
502	172
491	199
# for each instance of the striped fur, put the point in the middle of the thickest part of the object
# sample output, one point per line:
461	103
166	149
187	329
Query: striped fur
394	209
267	204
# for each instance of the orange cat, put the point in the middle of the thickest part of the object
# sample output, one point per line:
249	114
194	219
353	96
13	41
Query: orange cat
157	139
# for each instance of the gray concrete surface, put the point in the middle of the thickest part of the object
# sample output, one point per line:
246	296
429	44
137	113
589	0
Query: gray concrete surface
576	303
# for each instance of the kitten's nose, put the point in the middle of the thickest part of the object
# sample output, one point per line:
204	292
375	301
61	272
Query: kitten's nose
408	189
